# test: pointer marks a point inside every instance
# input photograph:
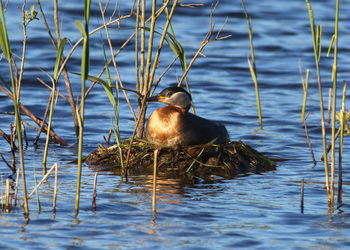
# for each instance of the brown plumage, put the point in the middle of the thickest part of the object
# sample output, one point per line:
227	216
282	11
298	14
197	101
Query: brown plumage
174	126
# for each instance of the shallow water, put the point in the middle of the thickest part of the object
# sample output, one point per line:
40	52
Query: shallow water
254	211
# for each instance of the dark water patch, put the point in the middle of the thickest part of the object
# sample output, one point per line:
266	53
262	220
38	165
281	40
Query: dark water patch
245	243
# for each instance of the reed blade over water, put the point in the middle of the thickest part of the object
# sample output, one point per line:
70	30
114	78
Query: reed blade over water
252	65
85	61
16	90
316	39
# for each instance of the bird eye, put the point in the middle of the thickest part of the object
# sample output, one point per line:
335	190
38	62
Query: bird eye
170	94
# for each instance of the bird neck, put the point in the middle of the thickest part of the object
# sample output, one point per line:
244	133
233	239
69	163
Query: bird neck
180	109
165	111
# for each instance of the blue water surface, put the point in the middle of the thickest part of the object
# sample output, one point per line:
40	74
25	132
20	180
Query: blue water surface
257	211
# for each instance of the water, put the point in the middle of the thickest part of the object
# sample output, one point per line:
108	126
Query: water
253	211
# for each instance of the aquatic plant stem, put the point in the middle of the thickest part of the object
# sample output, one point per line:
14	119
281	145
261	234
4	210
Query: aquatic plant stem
17	100
46	147
137	38
342	119
7	195
5	45
65	72
160	46
53	100
114	61
42	180
117	20
305	90
16	187
145	68
46	24
146	63
24	48
70	98
37	194
69	55
84	75
154	193
108	89
142	49
252	65
54	200
257	94
329	106
150	47
334	96
35	142
57	26
316	39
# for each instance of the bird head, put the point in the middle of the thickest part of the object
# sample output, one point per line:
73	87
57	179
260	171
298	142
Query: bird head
174	96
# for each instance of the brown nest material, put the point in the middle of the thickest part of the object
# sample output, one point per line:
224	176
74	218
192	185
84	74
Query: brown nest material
204	161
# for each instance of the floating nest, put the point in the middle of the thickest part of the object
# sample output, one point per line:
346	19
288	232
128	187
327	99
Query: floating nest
204	161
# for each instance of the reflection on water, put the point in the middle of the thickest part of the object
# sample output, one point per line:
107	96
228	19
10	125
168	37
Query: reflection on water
255	211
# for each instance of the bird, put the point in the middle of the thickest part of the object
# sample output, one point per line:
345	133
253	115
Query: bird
173	126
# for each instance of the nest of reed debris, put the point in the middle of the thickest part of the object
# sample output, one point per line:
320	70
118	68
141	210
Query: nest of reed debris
204	161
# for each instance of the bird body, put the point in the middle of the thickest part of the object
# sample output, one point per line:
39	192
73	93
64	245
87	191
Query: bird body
174	126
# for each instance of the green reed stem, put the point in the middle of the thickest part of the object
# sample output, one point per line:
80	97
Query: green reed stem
115	104
65	72
305	89
108	88
146	62
53	101
142	48
56	22
137	41
341	142
5	46
330	46
160	46
252	65
150	45
334	96
316	38
24	48
257	95
84	75
119	81
47	141
145	65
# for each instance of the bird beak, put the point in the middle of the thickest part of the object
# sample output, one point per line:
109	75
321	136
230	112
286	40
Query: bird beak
156	98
